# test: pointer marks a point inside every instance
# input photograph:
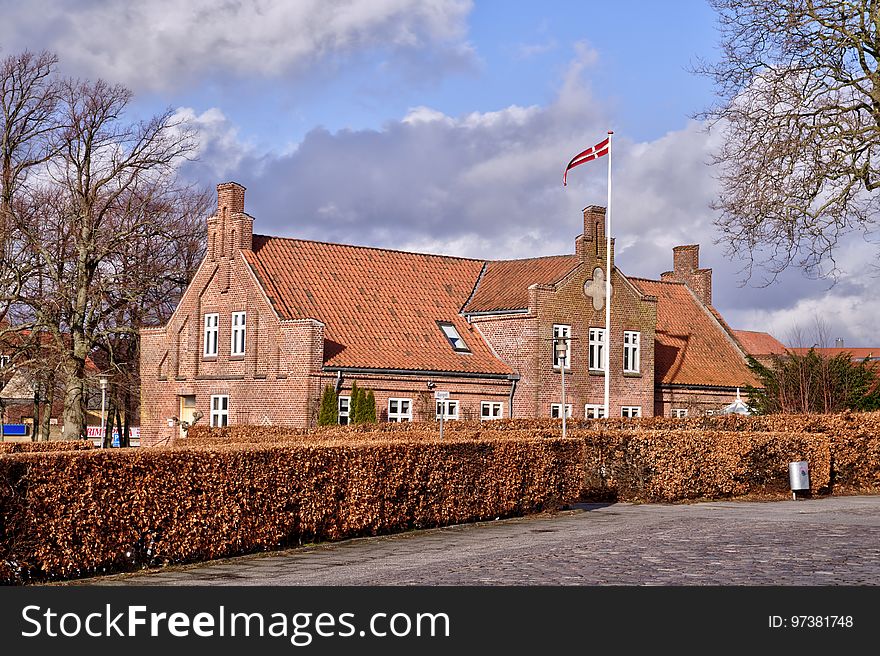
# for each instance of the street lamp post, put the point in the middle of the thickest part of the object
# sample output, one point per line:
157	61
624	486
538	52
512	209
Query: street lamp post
103	380
561	347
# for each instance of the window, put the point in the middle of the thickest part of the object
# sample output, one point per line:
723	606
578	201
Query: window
562	331
4	361
679	412
448	409
556	407
212	321
491	410
631	340
238	333
593	411
219	411
631	411
344	406
399	410
597	349
455	340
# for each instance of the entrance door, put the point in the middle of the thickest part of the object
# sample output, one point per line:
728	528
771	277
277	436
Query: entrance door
187	410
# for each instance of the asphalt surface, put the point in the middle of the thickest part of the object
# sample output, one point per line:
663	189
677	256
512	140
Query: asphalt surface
825	541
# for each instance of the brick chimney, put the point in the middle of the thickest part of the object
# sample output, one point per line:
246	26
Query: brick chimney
686	269
591	245
230	229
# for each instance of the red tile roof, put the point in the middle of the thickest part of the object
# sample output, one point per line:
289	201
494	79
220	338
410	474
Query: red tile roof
691	347
380	307
505	283
758	343
858	354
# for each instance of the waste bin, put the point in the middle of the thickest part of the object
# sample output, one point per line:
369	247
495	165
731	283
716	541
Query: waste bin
798	477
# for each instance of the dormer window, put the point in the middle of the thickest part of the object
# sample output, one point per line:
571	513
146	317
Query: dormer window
455	340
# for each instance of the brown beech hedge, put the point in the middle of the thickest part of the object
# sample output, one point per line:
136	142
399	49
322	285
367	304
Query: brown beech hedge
221	492
34	447
73	513
679	465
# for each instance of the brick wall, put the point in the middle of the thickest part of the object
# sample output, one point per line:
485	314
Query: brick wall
697	402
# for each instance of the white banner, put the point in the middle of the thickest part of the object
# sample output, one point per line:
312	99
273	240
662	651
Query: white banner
95	431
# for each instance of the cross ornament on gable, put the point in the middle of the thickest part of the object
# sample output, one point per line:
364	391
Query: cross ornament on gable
595	289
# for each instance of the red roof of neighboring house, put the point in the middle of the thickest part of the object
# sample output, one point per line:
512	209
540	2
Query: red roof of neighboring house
505	284
380	307
858	354
691	346
758	343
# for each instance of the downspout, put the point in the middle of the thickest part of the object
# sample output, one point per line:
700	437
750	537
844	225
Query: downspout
338	381
514	379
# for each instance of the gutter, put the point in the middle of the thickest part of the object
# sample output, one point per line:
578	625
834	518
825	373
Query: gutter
708	388
418	372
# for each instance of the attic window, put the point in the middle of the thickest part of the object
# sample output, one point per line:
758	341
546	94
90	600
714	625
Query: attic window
455	340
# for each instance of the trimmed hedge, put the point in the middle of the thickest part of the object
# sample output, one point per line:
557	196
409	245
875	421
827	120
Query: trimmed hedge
63	516
221	492
37	447
672	466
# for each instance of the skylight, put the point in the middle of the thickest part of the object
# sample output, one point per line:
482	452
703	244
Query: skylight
455	340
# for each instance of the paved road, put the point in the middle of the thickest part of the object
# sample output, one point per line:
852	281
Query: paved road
829	541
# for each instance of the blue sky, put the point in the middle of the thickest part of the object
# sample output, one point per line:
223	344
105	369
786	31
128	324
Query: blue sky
444	126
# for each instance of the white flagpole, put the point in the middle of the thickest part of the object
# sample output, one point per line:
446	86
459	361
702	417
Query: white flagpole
608	287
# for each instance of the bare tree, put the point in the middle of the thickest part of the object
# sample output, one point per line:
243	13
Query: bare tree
111	188
29	94
798	85
154	268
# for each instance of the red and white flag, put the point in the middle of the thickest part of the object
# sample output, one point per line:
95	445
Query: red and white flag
594	152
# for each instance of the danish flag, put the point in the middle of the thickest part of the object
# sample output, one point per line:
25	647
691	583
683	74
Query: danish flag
594	152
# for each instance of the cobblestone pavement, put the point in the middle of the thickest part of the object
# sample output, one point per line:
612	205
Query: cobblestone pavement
826	541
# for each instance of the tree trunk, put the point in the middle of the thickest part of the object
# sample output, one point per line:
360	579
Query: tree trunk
35	426
107	437
47	409
74	419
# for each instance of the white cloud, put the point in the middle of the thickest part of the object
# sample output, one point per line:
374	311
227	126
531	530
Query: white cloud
220	149
163	43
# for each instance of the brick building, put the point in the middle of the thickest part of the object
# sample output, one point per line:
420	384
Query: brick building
267	322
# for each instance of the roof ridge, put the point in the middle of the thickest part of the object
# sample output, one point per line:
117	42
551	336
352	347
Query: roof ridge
538	257
665	282
374	248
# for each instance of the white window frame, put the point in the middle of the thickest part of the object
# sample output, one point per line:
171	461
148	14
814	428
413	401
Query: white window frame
556	407
4	361
449	407
399	415
238	334
211	334
632	340
594	411
456	341
631	411
343	401
562	330
492	406
679	413
219	410
598	352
